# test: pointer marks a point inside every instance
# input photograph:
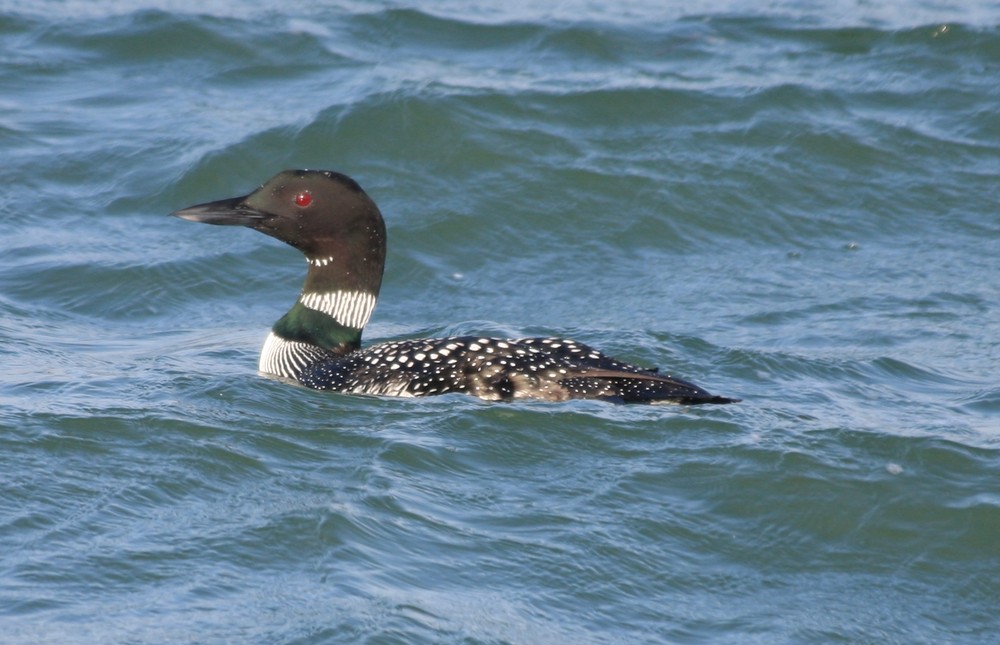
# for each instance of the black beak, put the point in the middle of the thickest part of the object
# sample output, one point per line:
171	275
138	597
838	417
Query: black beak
225	212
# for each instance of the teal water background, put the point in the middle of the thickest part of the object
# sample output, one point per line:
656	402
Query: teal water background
795	203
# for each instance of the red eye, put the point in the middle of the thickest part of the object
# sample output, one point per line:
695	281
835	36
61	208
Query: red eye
303	199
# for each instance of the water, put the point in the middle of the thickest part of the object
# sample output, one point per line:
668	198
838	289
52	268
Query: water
794	204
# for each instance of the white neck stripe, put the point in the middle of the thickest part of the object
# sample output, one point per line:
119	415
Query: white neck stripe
320	262
349	308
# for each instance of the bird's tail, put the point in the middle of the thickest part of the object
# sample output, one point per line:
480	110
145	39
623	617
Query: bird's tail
642	387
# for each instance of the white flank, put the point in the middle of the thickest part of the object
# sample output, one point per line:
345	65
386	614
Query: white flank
287	358
349	308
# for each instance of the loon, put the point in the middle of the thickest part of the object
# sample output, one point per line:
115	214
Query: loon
336	225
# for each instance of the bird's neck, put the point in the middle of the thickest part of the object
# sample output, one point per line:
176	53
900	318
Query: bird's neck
333	308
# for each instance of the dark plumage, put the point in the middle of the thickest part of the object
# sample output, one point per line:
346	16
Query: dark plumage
330	219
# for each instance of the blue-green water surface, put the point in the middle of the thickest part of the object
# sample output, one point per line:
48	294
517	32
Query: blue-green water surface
795	203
